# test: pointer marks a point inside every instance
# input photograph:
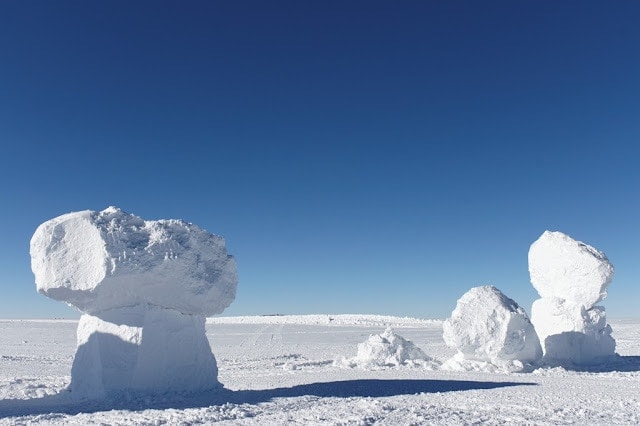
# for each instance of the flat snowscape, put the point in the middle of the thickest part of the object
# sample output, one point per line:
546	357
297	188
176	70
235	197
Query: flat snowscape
280	369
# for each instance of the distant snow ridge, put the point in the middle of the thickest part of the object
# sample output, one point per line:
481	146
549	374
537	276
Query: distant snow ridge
571	277
145	288
387	349
491	332
326	319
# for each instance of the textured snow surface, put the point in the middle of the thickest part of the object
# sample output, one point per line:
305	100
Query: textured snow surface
98	261
570	277
36	357
386	350
488	327
561	267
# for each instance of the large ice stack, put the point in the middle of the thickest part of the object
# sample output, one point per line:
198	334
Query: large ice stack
490	332
571	278
145	288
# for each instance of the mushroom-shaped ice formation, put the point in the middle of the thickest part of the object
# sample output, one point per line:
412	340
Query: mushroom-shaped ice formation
145	288
488	327
571	277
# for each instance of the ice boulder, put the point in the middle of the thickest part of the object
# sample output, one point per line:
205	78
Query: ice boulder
145	288
561	267
571	277
487	327
97	261
387	349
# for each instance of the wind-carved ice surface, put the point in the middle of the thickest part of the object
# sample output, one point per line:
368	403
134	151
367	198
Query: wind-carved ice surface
145	288
491	333
571	278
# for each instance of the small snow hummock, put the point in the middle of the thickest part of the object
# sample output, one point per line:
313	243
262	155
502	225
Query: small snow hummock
491	332
387	349
145	288
571	277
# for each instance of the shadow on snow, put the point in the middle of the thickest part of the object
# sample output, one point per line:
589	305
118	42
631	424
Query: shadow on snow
615	363
63	404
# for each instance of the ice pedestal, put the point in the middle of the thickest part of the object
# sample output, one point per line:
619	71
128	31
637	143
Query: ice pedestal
571	333
144	348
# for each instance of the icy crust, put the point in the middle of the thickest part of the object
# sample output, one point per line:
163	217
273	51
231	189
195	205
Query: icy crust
145	349
488	327
98	261
387	349
561	267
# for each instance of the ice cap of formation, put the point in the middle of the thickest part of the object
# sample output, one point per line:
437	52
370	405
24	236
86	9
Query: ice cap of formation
388	349
145	288
490	332
571	277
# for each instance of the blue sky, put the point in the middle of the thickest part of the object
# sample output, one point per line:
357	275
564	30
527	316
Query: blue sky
359	157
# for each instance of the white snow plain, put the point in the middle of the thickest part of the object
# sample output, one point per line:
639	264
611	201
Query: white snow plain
280	370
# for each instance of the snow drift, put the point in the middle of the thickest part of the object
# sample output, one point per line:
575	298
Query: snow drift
571	277
387	349
490	331
145	288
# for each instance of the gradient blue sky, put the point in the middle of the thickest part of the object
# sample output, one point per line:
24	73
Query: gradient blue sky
358	156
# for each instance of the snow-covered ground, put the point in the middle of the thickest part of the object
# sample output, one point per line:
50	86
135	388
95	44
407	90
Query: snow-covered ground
280	369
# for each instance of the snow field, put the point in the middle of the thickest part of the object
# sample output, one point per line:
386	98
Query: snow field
260	390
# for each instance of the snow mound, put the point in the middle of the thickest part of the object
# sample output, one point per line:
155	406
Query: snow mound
145	288
561	267
487	327
571	277
97	261
387	349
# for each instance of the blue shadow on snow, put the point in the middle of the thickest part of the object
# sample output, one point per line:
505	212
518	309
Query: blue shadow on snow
374	388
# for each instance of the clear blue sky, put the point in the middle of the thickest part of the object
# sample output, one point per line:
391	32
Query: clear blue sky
358	156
